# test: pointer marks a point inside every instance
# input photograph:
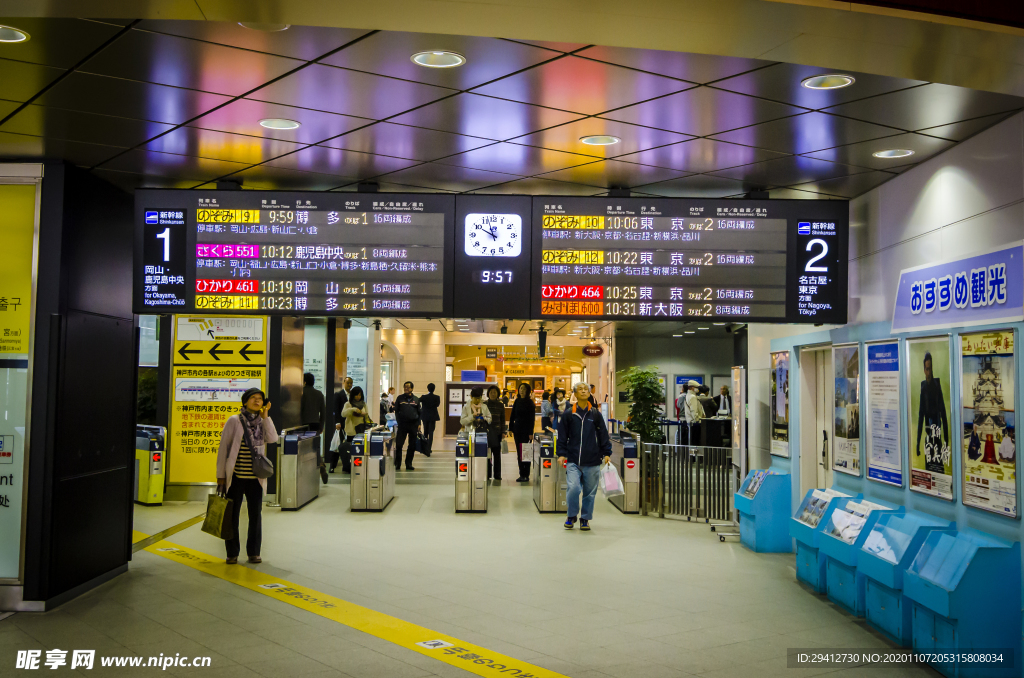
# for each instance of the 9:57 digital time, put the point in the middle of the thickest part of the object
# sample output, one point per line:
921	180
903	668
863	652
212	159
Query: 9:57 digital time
492	277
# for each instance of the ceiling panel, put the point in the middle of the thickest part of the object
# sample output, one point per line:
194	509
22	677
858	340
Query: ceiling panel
57	123
390	53
539	186
633	137
336	90
958	131
300	42
516	159
448	177
129	181
8	107
928	106
183	167
390	187
613	174
487	117
350	165
403	141
268	177
180	62
788	171
700	155
806	133
243	117
557	46
702	111
140	100
55	42
781	82
581	86
848	187
22	81
861	154
798	194
698	68
206	143
697	186
21	146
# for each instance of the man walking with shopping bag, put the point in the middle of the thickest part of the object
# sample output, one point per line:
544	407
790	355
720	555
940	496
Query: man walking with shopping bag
583	444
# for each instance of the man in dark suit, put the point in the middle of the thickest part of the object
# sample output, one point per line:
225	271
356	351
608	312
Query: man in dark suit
430	416
340	398
724	402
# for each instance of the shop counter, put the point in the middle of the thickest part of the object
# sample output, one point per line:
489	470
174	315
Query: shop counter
765	505
806	527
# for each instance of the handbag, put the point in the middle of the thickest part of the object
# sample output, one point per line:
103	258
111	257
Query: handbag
218	517
261	466
336	441
504	446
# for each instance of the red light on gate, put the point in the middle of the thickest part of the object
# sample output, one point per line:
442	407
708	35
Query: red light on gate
630	463
547	463
463	468
357	461
564	462
156	456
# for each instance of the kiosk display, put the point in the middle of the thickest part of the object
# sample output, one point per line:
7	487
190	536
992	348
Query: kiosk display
930	448
885	461
755	482
779	403
988	369
811	511
848	521
846	431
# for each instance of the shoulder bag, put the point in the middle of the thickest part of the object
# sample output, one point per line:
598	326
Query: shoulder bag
261	466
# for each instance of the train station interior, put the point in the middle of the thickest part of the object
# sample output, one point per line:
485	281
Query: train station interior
550	340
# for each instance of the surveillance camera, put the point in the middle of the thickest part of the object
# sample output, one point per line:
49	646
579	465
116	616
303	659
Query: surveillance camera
347	324
376	324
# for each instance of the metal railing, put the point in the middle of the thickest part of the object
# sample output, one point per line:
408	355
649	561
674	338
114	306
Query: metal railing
686	481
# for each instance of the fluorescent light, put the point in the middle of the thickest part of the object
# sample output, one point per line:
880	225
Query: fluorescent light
266	28
591	322
893	153
677	335
600	140
690	332
11	34
828	81
279	123
438	59
703	328
720	323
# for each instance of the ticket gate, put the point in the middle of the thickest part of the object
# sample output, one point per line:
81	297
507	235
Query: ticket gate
626	450
149	465
471	484
373	472
548	476
298	474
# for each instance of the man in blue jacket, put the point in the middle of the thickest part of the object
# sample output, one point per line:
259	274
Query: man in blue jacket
584	445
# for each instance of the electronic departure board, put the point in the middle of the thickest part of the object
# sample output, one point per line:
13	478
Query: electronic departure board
292	253
781	261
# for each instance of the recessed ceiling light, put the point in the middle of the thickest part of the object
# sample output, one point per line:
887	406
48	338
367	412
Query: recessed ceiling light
828	81
438	59
11	34
591	322
279	123
893	153
600	140
267	28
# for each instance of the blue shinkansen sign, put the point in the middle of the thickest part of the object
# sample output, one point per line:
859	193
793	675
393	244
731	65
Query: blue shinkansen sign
982	289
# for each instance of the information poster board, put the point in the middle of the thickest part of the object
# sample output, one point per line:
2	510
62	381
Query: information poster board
215	361
931	457
846	431
779	403
885	460
988	369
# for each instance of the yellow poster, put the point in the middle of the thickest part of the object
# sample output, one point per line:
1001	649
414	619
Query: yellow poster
17	227
215	361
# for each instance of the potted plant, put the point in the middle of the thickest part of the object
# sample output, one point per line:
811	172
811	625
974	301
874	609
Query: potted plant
646	400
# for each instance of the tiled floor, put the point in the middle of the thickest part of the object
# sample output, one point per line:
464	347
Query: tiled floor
635	597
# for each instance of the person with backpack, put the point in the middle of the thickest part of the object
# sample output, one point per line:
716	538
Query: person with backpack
583	445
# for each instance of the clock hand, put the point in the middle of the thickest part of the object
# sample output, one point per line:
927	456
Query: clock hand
488	232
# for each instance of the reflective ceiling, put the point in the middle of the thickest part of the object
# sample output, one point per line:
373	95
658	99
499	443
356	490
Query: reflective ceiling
178	104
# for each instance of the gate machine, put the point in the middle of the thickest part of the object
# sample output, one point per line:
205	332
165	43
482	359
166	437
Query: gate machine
626	448
549	481
373	472
149	465
471	472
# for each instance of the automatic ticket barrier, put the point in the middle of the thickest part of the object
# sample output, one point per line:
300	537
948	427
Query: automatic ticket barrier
373	472
626	451
471	472
298	471
548	476
149	465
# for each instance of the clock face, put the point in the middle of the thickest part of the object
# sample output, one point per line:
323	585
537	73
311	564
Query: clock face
494	235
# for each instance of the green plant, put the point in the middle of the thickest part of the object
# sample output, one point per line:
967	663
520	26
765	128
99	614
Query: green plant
646	399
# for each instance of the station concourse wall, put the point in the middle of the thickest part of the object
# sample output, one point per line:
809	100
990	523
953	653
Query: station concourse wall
968	199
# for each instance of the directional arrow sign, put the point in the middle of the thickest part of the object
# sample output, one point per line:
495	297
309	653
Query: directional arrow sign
184	351
245	352
216	354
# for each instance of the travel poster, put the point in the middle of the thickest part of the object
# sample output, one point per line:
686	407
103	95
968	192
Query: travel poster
885	461
928	422
779	403
846	430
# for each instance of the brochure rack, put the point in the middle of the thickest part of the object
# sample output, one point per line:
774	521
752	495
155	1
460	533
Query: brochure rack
888	551
848	528
764	503
966	589
805	527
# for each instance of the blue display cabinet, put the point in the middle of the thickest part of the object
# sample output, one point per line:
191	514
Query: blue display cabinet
765	505
848	528
965	586
805	527
888	551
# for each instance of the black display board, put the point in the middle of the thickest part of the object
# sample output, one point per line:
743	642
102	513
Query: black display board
294	253
782	261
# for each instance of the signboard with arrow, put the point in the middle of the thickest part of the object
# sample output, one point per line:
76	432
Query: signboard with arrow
199	340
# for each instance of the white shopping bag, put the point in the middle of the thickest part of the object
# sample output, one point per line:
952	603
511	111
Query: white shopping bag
336	441
611	484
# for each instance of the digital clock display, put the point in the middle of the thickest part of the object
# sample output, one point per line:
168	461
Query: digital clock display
493	277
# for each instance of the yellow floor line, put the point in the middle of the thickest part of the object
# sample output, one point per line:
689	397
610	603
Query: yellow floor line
439	646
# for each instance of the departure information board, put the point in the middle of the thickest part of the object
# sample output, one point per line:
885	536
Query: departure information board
678	259
294	253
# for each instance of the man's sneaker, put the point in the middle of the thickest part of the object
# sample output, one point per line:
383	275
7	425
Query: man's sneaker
569	522
584	524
